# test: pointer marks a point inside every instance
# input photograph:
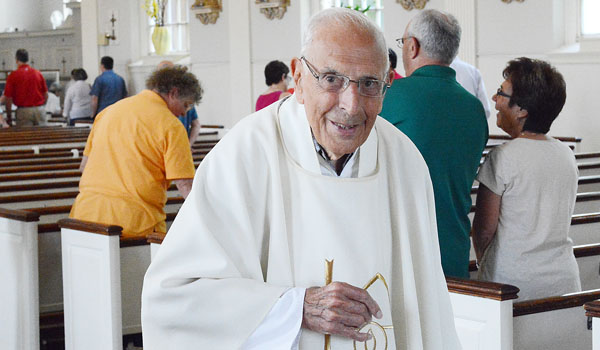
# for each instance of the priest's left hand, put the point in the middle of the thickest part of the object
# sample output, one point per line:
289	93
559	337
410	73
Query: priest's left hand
339	308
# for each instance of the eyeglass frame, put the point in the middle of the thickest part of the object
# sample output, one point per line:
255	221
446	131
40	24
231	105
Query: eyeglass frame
317	75
499	92
400	41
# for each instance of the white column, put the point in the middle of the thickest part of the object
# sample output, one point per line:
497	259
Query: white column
19	321
465	12
240	58
92	290
89	38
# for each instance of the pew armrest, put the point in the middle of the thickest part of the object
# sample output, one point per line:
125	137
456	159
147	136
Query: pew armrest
92	227
19	215
489	290
482	313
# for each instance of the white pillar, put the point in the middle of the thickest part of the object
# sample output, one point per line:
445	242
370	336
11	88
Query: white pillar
240	58
89	37
465	12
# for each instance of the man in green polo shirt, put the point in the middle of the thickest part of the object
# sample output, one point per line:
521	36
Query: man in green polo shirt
446	123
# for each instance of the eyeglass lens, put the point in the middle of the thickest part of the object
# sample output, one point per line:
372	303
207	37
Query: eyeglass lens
337	83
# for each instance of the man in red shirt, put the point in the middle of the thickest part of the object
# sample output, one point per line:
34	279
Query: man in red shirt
26	88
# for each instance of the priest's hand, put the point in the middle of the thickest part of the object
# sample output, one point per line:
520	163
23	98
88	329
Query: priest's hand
339	309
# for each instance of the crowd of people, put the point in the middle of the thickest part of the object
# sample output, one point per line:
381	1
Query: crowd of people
314	176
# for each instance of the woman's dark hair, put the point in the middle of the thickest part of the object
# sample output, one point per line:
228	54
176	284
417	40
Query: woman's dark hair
273	72
165	79
393	58
538	88
79	74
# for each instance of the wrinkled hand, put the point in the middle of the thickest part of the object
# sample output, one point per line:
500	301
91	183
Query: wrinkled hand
339	309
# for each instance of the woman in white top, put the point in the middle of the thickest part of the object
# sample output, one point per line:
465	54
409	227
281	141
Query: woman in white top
78	102
527	189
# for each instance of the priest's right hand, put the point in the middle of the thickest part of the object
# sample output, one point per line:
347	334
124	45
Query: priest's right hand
340	309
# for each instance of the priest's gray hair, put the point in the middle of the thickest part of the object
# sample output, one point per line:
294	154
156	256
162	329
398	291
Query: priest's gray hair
438	34
345	17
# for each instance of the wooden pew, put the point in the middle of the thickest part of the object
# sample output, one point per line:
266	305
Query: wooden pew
554	323
588	261
579	157
91	285
586	183
573	142
107	284
592	311
19	276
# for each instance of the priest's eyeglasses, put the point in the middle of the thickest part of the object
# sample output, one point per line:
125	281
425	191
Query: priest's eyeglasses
337	83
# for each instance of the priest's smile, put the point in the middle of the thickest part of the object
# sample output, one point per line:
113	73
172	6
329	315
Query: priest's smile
345	129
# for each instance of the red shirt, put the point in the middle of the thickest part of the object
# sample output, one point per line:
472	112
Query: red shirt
26	86
396	75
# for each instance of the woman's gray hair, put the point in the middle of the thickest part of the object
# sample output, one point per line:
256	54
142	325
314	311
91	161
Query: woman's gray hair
165	79
344	17
438	34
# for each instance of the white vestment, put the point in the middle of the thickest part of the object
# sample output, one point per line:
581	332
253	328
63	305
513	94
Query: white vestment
261	218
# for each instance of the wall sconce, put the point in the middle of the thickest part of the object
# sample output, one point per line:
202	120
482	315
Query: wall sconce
413	4
273	8
509	1
111	36
103	39
207	11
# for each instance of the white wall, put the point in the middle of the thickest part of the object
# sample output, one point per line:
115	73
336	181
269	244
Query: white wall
537	29
46	9
126	48
20	14
229	57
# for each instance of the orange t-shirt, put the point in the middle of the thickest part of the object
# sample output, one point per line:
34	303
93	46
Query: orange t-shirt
136	147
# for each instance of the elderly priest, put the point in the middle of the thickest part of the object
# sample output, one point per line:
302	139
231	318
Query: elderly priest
311	225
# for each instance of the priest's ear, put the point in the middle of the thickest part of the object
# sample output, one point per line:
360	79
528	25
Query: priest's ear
297	71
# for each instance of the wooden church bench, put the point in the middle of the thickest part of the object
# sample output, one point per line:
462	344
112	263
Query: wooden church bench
554	323
592	311
588	262
585	183
19	276
106	284
589	168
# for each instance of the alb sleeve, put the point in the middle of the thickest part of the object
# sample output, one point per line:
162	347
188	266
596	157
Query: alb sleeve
280	329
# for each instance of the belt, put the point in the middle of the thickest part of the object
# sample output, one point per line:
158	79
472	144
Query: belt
29	106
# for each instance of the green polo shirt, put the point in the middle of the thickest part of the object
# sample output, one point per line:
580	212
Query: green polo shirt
448	126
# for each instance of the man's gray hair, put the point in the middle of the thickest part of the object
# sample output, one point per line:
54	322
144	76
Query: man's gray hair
438	34
344	17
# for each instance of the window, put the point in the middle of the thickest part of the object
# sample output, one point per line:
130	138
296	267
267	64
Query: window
176	20
375	9
590	10
66	10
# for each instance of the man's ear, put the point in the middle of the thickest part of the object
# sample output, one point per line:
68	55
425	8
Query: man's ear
390	78
413	48
296	66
